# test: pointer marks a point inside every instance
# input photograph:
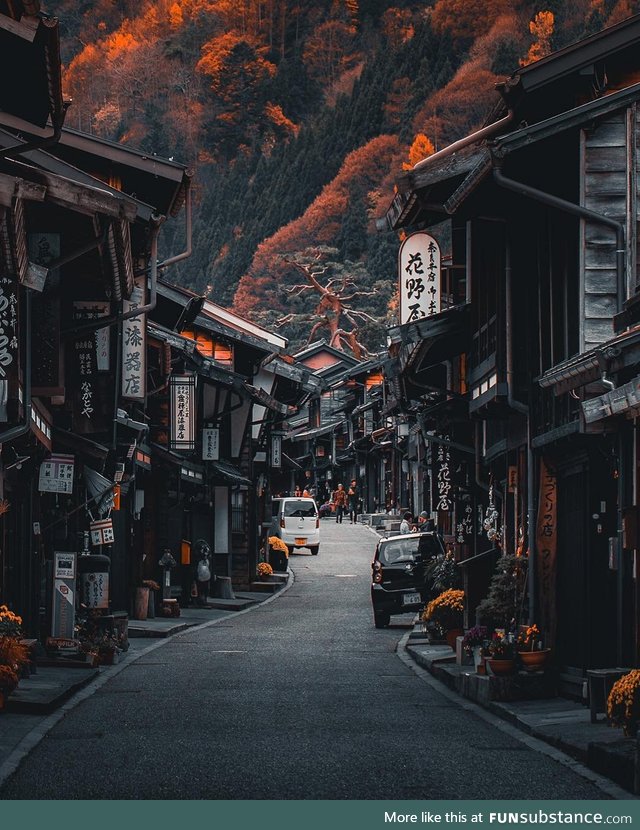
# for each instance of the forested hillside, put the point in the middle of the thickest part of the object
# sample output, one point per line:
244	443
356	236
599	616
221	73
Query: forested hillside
296	116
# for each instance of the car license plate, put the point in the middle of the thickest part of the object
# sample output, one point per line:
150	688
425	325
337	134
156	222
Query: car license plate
411	599
301	542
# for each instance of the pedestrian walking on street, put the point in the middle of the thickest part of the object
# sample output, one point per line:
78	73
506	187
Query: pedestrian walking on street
340	499
203	570
405	524
353	501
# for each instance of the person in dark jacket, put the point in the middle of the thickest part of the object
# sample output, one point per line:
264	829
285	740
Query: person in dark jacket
353	497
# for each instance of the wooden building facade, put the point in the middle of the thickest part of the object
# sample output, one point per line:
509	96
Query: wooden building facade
513	386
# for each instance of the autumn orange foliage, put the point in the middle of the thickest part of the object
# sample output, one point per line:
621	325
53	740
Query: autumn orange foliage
319	225
541	27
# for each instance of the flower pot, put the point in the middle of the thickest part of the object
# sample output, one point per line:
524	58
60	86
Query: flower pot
278	560
142	603
452	635
501	667
534	660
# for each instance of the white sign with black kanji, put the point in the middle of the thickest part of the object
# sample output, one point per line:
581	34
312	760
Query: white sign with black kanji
419	277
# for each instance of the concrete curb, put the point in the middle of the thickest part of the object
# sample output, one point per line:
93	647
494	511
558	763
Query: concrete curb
608	787
35	735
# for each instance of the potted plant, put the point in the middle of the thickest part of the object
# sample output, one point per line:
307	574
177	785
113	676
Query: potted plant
278	553
623	703
473	643
446	612
264	571
13	654
502	654
530	652
442	572
502	603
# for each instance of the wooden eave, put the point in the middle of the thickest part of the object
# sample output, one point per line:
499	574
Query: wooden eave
207	322
425	191
577	56
576	117
73	195
46	161
154	180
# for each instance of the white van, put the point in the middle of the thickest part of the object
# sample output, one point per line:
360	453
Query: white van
295	520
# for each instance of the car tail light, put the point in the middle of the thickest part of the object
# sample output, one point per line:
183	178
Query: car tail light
377	572
282	521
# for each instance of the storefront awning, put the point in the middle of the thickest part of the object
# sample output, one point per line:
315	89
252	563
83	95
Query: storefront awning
227	472
189	471
431	340
79	445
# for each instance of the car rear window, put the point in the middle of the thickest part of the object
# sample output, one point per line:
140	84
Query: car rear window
408	550
299	508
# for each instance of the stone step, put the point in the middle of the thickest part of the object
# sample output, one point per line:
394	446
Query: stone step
266	587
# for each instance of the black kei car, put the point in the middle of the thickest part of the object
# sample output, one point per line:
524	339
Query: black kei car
398	582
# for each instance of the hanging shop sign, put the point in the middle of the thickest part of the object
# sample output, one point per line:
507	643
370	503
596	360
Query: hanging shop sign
419	277
276	451
183	398
64	586
134	347
211	444
9	343
56	474
547	545
43	248
101	532
90	358
443	478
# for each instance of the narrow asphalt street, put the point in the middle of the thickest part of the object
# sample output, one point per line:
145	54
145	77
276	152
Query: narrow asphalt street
301	698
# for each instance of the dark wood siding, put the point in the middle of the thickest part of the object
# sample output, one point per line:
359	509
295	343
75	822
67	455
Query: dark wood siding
604	190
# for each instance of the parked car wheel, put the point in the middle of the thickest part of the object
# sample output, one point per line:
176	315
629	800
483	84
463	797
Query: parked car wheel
314	550
381	619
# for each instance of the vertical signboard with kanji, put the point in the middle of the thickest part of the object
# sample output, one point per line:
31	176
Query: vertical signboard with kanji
64	589
183	399
464	523
134	335
276	451
210	444
94	587
90	357
547	547
443	478
419	277
9	341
